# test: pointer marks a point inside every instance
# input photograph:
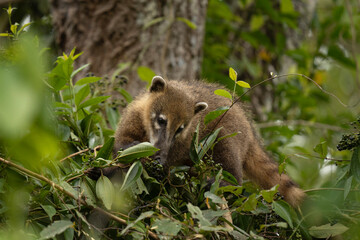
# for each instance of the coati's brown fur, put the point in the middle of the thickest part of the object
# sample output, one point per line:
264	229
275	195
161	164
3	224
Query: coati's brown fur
167	116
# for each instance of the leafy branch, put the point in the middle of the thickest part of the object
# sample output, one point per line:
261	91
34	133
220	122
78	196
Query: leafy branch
69	194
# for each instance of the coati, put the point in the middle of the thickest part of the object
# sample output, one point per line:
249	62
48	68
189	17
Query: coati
167	116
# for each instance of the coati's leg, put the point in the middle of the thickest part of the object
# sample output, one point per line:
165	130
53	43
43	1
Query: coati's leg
261	169
226	153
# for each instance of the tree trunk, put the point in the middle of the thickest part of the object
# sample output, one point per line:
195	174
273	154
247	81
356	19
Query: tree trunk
139	32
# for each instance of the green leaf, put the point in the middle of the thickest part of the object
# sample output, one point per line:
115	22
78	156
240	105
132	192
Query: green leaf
132	175
126	95
232	74
112	116
144	149
286	6
68	188
194	146
55	228
140	218
281	208
105	191
215	186
237	190
82	94
6	35
223	93
243	84
207	143
24	26
145	74
347	186
50	210
13	28
87	80
250	203
93	101
88	192
197	214
256	22
214	198
61	74
327	230
80	68
268	195
189	23
153	22
321	149
214	114
228	177
106	150
355	164
166	227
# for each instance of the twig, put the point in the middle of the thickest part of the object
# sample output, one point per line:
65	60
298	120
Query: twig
302	123
80	152
75	154
69	194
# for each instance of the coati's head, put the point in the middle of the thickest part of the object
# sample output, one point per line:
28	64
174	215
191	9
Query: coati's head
170	116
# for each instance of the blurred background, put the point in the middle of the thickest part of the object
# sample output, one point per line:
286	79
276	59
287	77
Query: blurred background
301	120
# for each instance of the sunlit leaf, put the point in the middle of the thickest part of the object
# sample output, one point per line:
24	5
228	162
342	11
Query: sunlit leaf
268	195
153	22
145	74
243	84
286	6
256	22
189	23
232	74
223	93
250	203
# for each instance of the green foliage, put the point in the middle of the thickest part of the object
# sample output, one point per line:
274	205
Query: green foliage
54	128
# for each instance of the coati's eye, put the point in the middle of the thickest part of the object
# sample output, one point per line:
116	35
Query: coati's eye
162	121
179	130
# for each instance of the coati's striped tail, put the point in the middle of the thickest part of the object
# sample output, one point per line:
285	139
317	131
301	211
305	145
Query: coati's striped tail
261	169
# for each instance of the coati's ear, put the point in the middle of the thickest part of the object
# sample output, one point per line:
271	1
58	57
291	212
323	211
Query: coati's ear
157	84
200	106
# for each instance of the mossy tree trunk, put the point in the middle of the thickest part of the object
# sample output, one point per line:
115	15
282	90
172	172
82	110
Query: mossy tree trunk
154	34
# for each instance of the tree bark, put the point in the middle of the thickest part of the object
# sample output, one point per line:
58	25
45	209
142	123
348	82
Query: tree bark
139	32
